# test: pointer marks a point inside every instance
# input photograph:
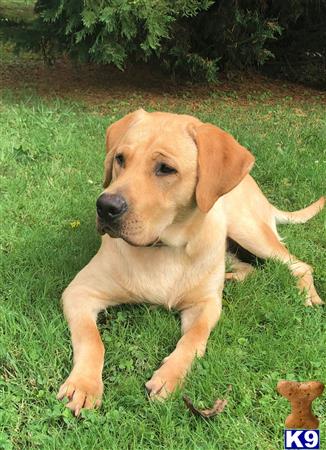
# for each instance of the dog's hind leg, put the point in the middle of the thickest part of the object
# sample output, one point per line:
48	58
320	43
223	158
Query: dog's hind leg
261	240
240	269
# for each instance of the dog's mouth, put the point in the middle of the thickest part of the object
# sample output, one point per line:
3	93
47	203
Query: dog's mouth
105	229
115	234
156	243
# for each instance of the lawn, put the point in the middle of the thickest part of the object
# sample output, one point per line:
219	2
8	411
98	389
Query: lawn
17	9
52	150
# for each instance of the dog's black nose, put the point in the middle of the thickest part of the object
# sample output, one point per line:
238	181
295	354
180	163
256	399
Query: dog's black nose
111	206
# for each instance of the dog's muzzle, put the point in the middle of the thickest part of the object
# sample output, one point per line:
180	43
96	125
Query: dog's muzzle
110	209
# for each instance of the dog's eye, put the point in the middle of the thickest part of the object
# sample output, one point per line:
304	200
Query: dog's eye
120	159
163	169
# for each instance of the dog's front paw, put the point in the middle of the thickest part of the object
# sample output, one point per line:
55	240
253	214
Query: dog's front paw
82	392
164	381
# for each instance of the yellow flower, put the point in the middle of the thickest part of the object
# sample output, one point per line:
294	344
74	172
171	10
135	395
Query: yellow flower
74	224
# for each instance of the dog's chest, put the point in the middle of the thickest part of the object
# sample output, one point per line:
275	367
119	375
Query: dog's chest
160	276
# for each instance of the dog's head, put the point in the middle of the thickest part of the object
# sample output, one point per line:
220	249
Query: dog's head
159	168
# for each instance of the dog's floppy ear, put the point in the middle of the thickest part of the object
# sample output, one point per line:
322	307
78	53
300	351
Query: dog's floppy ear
114	134
222	164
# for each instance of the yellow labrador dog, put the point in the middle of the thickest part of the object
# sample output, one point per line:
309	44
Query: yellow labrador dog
175	188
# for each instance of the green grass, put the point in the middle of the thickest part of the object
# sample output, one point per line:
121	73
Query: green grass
51	158
17	9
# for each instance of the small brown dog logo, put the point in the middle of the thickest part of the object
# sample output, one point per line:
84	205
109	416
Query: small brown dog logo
301	395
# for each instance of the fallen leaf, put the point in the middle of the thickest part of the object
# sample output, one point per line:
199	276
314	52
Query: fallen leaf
208	413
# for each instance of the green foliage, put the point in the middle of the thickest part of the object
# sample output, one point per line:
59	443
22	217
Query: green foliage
111	32
174	32
246	43
236	35
193	38
300	53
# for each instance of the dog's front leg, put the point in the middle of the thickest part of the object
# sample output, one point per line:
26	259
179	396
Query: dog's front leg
197	322
81	304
